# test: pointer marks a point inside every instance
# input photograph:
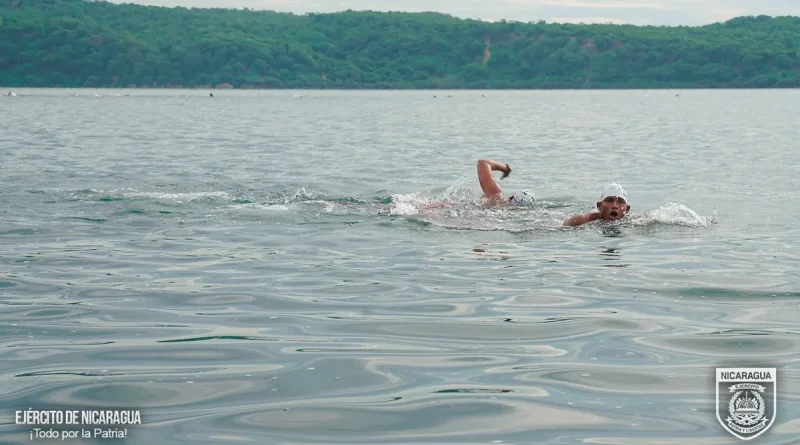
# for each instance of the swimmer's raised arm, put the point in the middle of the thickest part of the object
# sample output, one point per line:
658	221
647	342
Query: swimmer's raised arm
495	166
490	187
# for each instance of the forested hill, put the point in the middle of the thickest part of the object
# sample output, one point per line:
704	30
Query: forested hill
74	43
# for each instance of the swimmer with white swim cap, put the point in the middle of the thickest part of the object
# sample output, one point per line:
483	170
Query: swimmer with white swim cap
492	193
613	205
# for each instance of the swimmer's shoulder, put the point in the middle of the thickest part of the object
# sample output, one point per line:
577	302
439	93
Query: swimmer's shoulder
578	220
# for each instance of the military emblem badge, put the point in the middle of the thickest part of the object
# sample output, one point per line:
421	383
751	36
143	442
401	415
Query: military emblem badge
746	400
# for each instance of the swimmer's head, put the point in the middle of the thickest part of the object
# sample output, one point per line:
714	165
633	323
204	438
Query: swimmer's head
523	198
613	202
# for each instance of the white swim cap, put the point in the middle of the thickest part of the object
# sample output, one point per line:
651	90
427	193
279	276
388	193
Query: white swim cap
524	197
614	189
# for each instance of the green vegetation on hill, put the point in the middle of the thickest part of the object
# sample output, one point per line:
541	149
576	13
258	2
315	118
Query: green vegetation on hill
75	43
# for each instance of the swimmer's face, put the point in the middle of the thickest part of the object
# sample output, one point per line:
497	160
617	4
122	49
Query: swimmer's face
613	208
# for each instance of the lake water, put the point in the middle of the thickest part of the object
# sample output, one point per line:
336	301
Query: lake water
259	267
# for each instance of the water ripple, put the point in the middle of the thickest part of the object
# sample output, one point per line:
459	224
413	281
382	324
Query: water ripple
265	268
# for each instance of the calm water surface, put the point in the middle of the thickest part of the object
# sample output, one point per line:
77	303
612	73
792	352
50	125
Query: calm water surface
260	267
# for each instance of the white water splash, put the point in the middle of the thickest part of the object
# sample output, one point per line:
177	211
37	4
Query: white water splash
413	204
299	195
463	190
177	196
673	214
134	193
256	206
328	206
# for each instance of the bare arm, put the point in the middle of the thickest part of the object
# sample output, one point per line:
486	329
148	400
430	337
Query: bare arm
581	219
488	184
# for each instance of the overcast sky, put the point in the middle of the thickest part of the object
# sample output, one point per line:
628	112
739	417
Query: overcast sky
638	12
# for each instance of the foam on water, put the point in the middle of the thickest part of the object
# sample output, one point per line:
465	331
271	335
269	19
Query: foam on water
124	193
412	204
178	196
269	207
672	214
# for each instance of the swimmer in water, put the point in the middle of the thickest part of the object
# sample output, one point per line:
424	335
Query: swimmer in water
492	193
613	206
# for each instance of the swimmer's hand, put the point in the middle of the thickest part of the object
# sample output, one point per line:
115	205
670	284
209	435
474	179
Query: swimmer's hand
507	172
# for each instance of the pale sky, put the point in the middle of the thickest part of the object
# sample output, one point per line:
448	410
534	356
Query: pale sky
636	12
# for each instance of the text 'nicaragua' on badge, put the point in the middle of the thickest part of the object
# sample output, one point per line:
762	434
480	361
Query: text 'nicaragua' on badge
746	400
